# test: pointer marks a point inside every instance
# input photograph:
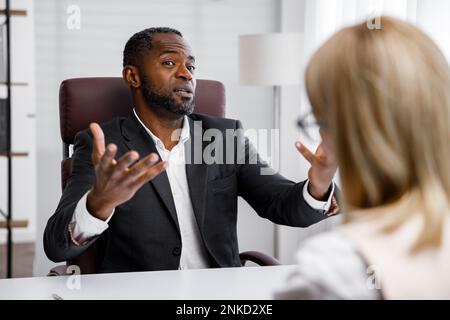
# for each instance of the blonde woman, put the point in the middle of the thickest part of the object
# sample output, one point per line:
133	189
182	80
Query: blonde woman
382	99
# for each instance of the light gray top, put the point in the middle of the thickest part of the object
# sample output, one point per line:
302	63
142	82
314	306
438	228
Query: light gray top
328	267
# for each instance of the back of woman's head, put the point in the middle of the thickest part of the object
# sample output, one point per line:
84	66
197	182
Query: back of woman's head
384	96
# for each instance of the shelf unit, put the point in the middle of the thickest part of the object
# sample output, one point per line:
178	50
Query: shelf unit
9	223
14	154
13	12
24	84
14	224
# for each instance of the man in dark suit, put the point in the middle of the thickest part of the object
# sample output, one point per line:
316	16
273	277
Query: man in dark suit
181	212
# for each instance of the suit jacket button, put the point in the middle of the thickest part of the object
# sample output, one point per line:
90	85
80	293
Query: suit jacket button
176	251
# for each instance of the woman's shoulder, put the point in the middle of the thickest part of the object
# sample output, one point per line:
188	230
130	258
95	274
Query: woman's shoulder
328	267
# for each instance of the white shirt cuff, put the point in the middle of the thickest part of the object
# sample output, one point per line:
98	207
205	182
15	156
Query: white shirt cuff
322	206
86	225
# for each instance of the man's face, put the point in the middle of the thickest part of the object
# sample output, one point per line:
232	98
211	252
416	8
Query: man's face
167	75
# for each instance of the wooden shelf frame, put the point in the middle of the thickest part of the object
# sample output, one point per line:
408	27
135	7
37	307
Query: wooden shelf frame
14	154
15	12
22	84
14	224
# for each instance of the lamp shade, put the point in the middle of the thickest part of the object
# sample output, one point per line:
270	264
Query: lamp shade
272	59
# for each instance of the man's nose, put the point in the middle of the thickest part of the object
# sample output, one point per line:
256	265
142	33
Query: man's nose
184	73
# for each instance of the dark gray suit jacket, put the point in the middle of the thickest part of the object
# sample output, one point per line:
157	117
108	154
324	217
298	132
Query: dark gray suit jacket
143	233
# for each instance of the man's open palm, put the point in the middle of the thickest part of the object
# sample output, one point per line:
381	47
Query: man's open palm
116	181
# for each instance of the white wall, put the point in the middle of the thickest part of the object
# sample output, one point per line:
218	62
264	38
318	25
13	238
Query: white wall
433	18
23	125
294	104
211	26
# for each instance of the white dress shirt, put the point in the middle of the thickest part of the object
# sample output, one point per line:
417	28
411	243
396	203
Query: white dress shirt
193	254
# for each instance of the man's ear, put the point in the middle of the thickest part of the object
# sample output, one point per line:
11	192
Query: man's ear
131	75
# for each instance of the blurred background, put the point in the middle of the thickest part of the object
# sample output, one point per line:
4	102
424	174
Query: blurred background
52	40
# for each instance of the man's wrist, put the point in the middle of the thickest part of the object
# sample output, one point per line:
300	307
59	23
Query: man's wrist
96	208
322	206
320	194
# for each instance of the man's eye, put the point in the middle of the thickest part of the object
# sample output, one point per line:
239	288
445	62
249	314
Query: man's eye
191	68
169	63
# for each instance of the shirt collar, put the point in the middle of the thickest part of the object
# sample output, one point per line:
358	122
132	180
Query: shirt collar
184	135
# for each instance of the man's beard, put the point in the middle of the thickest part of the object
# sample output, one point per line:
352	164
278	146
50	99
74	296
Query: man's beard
166	102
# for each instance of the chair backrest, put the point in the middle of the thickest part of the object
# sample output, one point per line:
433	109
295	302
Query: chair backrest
86	100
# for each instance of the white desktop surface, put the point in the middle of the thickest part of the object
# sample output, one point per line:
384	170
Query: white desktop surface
252	283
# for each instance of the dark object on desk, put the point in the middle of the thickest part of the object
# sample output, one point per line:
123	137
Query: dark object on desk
56	297
86	100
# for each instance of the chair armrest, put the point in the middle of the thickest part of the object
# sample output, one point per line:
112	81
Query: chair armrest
58	271
259	258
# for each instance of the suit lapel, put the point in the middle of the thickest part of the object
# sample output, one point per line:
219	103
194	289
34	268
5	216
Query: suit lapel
137	138
196	171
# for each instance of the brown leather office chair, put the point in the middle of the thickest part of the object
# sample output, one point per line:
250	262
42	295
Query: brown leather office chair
86	100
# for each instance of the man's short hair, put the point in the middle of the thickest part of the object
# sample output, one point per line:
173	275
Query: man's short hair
140	43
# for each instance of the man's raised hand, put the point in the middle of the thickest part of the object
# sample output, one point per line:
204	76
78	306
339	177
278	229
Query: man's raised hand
116	181
322	170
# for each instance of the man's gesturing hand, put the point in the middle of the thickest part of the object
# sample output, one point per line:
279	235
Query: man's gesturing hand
115	181
323	168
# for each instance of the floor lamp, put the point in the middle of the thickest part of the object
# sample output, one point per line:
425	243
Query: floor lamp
273	60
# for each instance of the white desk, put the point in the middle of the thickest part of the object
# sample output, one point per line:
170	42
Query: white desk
252	283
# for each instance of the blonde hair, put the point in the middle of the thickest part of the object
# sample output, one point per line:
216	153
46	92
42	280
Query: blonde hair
385	97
